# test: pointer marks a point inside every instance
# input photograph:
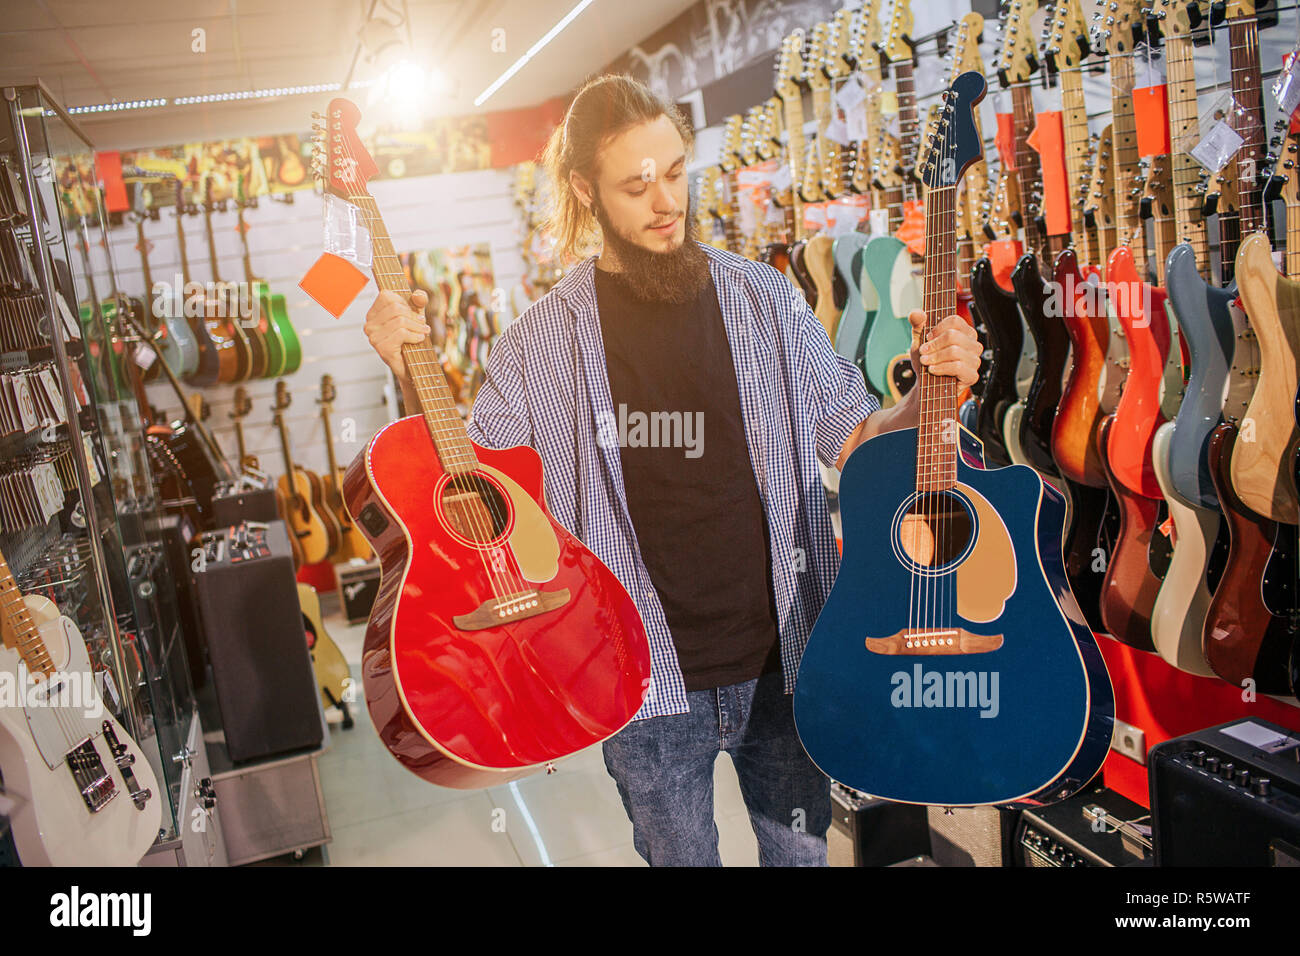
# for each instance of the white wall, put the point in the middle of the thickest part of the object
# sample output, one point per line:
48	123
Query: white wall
422	213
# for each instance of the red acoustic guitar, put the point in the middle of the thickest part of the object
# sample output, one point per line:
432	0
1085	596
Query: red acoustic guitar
497	642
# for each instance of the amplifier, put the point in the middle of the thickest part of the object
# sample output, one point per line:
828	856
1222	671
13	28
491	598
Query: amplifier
176	531
971	836
358	588
1227	796
261	668
232	504
1094	828
866	831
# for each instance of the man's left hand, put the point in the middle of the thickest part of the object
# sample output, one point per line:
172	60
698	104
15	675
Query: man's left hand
952	348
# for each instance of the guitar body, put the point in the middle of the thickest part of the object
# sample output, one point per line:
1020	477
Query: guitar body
1263	469
888	267
799	267
1052	345
1128	594
326	659
479	707
875	721
819	260
279	318
995	308
53	825
1205	322
1093	530
276	354
1248	630
862	300
1178	616
301	505
1079	415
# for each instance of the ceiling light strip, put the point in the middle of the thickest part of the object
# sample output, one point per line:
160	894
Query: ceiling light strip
214	97
536	48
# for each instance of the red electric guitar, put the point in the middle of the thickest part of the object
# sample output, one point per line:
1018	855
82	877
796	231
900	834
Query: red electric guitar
497	643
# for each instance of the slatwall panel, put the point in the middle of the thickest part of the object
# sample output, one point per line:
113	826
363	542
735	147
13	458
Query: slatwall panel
285	239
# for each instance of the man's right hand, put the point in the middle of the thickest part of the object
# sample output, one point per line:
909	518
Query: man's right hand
392	322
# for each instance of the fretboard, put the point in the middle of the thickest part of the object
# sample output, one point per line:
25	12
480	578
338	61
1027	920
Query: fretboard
1029	176
446	428
1248	123
1124	152
1190	224
1075	115
936	450
909	134
792	108
19	630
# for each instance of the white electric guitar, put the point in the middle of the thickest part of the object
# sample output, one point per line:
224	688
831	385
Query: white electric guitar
83	798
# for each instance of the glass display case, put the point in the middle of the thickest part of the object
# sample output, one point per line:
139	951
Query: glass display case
98	554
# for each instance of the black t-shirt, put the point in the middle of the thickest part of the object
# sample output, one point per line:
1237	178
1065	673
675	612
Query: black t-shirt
690	485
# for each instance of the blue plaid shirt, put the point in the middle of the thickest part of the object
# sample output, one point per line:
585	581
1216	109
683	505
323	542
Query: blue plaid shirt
546	385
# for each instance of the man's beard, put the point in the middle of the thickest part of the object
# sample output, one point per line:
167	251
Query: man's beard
676	277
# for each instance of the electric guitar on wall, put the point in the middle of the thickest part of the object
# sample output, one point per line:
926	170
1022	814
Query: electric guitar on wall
951	665
497	643
216	358
83	795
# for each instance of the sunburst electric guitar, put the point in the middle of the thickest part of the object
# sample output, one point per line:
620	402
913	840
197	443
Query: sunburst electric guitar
951	664
497	643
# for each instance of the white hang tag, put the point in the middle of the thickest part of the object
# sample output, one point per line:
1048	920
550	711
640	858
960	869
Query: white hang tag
91	466
775	214
26	404
815	214
70	324
879	219
837	132
1148	69
144	356
1286	88
781	179
1217	147
850	94
855	122
345	236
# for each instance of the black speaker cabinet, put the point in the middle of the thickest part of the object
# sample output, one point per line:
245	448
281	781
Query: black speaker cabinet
265	686
971	836
876	832
1227	796
231	507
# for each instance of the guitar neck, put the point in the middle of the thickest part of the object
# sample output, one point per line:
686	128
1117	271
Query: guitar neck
239	442
455	450
19	630
1028	171
329	440
1076	157
1124	161
936	451
144	262
909	134
792	107
1185	171
1248	122
284	447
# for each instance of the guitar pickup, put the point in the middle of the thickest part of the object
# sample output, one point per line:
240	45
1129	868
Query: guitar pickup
511	608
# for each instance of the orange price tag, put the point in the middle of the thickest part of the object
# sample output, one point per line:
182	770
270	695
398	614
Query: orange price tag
1048	138
1003	255
1151	112
333	283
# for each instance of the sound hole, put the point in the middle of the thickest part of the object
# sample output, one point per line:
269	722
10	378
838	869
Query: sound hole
474	508
936	529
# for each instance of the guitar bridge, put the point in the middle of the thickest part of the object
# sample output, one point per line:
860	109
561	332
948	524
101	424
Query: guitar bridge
94	782
511	608
934	641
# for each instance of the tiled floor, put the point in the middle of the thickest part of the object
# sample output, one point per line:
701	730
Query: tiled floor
382	815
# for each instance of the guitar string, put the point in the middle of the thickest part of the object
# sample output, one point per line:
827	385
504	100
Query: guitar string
395	281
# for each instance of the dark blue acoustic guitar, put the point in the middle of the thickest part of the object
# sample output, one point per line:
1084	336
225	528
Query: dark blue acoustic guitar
951	664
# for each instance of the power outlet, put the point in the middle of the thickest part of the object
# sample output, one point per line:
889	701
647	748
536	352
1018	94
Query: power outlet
1130	741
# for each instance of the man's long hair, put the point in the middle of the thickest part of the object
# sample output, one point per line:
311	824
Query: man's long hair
603	108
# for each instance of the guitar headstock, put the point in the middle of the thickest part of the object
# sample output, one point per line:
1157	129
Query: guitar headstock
282	397
1177	18
966	45
897	45
887	161
1017	61
956	143
730	149
789	67
243	404
1101	197
809	186
327	390
838	62
340	162
1157	189
1286	167
815	57
864	35
929	129
768	130
1238	9
1067	36
1119	26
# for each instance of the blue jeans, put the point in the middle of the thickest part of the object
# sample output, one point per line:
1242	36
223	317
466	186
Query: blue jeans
664	770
